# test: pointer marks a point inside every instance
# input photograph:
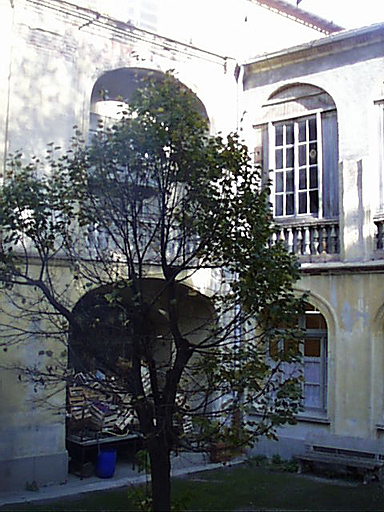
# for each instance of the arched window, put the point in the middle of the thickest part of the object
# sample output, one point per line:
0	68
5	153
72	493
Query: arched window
313	360
297	142
379	217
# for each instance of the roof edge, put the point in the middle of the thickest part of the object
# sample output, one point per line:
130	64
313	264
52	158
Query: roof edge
334	43
300	15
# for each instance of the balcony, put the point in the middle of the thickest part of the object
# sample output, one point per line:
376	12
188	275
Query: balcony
312	240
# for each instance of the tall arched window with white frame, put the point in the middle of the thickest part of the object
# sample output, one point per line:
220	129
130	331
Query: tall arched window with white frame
313	364
379	216
297	147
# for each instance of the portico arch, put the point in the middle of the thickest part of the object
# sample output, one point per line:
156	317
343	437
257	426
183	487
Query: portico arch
114	88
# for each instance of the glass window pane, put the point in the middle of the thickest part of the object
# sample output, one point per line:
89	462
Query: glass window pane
302	131
315	321
303	179
302	154
312	347
290	204
302	202
279	135
279	204
290	157
312	396
279	185
312	128
312	371
289	181
279	159
314	201
289	133
313	153
313	183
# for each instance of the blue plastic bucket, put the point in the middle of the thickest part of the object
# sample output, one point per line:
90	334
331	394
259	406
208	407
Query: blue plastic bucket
106	463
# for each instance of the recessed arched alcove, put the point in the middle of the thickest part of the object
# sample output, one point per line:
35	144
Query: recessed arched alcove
107	315
114	88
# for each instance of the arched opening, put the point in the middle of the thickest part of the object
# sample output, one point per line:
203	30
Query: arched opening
303	151
101	352
114	89
109	324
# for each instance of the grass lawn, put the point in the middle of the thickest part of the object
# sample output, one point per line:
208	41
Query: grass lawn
238	488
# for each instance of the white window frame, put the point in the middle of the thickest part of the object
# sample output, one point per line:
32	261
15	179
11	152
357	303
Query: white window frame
380	104
296	368
272	159
322	336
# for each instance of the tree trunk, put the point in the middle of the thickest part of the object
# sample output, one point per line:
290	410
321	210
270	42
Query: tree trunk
159	455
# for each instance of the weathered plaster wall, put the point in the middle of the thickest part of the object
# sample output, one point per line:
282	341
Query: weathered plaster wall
352	304
349	294
32	417
349	71
55	56
58	54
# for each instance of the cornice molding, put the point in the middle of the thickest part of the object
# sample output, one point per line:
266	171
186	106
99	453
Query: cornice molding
91	21
338	43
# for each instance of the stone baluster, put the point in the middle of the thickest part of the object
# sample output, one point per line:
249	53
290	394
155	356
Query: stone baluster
333	243
323	240
280	236
299	241
307	241
315	241
290	240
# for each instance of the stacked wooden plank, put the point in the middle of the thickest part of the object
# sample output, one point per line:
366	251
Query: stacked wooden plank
103	404
77	404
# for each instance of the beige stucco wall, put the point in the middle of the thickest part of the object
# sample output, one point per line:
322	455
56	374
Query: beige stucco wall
50	63
350	70
349	293
351	302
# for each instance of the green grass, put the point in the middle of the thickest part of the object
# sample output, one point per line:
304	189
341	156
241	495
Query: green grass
246	487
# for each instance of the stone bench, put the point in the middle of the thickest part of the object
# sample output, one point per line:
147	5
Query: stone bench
362	456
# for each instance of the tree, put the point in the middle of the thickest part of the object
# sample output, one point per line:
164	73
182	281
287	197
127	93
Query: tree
156	193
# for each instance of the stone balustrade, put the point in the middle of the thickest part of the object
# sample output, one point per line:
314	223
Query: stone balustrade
308	238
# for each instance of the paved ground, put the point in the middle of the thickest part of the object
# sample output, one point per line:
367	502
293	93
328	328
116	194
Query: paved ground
183	464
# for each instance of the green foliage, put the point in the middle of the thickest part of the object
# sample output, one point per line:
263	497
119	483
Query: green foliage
156	190
287	466
143	461
141	497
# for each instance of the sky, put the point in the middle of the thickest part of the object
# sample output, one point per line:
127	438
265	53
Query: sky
347	13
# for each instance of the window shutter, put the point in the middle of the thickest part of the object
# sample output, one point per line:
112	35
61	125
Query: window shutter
330	165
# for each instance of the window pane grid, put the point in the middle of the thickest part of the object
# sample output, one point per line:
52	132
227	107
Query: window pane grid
297	167
314	360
